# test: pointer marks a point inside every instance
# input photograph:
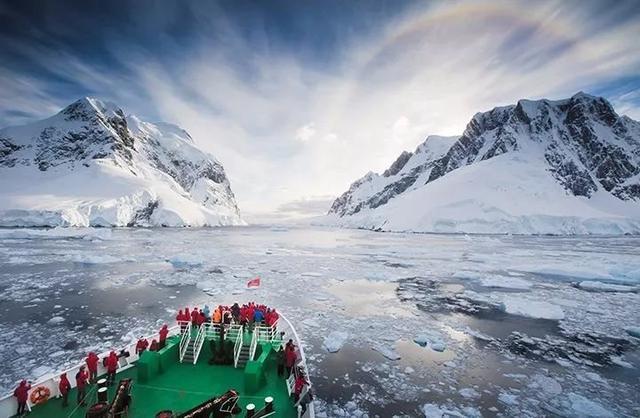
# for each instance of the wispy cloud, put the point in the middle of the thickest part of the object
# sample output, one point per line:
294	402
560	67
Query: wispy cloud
287	124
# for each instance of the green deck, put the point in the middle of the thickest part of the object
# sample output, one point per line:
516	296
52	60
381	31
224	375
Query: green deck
181	387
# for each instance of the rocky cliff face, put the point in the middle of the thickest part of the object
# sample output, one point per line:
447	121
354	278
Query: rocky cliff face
586	144
581	143
410	170
154	173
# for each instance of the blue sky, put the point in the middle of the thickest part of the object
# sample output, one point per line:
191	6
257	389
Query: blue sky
299	98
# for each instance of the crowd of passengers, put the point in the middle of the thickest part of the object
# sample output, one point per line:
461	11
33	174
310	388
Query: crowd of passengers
247	314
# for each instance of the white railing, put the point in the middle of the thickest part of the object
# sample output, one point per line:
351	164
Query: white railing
185	337
253	346
197	345
234	329
266	333
237	348
301	362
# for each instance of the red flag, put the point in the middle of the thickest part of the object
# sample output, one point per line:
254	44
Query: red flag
254	282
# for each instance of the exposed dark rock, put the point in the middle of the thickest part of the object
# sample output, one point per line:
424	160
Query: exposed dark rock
397	164
586	145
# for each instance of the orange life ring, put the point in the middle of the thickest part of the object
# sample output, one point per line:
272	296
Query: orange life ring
39	395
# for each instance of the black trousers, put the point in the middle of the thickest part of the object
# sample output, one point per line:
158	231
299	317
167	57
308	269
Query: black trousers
93	376
22	406
111	377
65	398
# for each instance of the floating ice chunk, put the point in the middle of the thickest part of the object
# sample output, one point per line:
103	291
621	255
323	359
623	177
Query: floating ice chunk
531	308
432	410
409	370
56	320
547	384
633	331
438	346
94	259
620	362
431	338
507	398
335	340
388	352
477	334
596	286
185	262
422	340
22	350
310	322
583	407
41	371
505	283
469	393
311	274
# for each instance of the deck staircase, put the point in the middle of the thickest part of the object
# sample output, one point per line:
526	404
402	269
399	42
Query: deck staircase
189	351
244	356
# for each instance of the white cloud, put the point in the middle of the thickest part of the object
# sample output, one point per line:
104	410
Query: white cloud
424	73
305	133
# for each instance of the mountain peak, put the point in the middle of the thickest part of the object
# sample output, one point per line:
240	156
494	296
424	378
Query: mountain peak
86	107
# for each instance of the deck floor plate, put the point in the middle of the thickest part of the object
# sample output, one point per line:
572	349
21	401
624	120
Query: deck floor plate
180	388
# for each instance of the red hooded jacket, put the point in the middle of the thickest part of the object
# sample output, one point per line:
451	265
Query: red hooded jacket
92	362
22	392
164	331
290	357
81	379
112	362
64	386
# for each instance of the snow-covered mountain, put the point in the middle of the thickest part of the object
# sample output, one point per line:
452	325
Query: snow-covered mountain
562	167
90	165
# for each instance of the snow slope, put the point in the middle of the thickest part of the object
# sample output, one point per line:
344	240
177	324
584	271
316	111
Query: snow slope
89	165
554	167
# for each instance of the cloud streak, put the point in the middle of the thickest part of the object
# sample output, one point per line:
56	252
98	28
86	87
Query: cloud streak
289	125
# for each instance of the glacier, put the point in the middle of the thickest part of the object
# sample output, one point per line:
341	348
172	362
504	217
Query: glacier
90	165
568	166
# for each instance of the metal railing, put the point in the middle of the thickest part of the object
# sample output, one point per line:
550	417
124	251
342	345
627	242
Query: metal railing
197	345
51	380
237	348
266	333
301	361
185	337
253	346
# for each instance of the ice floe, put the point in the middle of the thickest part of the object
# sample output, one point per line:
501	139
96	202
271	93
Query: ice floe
387	352
597	286
531	308
335	340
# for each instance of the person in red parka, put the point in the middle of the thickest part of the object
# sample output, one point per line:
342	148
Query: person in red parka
194	316
154	346
299	384
141	345
64	387
179	319
290	358
164	331
22	394
112	366
81	385
92	361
